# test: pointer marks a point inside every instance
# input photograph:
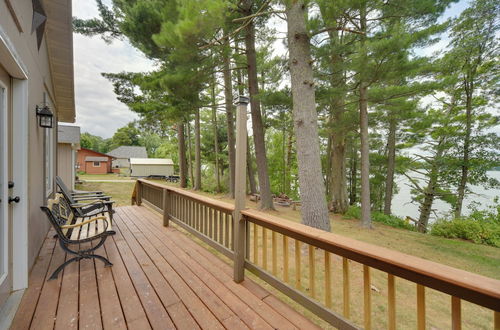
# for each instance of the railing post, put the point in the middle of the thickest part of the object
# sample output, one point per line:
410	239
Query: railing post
139	193
166	207
240	189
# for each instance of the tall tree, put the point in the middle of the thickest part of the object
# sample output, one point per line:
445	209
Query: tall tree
266	199
312	190
474	55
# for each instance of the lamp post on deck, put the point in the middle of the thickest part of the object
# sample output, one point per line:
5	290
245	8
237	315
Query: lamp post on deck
240	187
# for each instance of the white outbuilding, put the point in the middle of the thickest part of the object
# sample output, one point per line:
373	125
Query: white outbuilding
143	167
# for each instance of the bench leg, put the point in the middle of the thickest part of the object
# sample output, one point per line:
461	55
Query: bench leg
58	270
107	263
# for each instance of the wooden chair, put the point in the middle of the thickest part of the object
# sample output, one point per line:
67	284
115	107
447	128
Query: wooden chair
88	206
80	195
73	231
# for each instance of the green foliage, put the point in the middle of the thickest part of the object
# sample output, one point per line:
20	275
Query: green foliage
481	227
94	142
354	212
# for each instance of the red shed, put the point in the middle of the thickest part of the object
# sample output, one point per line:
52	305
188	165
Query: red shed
93	162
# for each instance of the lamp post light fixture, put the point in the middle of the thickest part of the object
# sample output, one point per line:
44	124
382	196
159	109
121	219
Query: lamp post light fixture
45	116
241	100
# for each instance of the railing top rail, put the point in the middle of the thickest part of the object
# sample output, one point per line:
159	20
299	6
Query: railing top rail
472	287
202	199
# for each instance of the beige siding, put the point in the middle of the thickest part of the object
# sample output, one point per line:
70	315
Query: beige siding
65	163
39	81
146	170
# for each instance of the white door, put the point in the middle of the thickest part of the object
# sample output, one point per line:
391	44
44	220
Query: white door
5	276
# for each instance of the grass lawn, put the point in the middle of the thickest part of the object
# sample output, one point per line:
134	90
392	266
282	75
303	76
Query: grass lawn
108	176
481	259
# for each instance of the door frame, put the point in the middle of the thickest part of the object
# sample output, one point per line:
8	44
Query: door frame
4	193
20	137
12	63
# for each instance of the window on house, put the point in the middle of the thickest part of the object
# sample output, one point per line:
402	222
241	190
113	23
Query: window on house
97	164
49	161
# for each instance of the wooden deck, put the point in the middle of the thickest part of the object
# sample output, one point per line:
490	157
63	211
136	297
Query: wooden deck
161	279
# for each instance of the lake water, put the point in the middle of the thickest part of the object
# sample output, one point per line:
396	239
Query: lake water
402	205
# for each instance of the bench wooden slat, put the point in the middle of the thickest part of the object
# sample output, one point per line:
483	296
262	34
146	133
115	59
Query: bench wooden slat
91	230
75	232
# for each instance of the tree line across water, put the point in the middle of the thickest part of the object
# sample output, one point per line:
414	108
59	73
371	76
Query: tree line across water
340	104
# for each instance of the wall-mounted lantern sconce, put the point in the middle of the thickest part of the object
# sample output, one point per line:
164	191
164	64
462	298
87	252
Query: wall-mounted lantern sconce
45	116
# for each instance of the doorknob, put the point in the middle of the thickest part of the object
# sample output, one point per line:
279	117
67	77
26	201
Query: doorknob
15	199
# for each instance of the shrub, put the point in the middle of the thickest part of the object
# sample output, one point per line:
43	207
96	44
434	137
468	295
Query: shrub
482	227
354	212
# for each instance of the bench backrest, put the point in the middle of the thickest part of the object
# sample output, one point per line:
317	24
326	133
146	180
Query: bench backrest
59	213
64	190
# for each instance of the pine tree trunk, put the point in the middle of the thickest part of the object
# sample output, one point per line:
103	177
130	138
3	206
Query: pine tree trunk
430	190
363	127
328	169
338	186
469	87
288	163
250	171
338	181
353	175
197	150
391	165
182	154
190	152
266	199
312	189
216	138
228	96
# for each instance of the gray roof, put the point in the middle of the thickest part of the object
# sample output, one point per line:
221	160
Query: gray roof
96	159
68	134
129	152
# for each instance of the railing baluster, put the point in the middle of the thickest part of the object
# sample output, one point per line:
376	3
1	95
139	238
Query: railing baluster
456	313
216	226
367	297
312	271
346	287
231	231
264	248
274	253
226	238
391	302
298	274
247	241
496	320
285	258
210	223
207	209
420	307
255	244
198	217
221	228
328	281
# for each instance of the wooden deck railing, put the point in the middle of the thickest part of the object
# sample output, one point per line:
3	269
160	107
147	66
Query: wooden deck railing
300	262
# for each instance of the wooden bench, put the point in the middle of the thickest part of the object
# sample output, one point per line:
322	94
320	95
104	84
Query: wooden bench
74	232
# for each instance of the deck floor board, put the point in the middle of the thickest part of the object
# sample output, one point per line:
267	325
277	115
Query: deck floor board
160	279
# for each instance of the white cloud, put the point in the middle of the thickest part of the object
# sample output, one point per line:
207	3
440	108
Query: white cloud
97	109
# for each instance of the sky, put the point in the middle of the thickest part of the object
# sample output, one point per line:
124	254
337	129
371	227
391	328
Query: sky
97	109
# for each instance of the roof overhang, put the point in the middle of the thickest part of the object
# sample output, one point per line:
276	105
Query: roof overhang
59	36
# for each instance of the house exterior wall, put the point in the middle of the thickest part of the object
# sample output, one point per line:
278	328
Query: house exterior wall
121	163
66	163
140	170
88	168
39	81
